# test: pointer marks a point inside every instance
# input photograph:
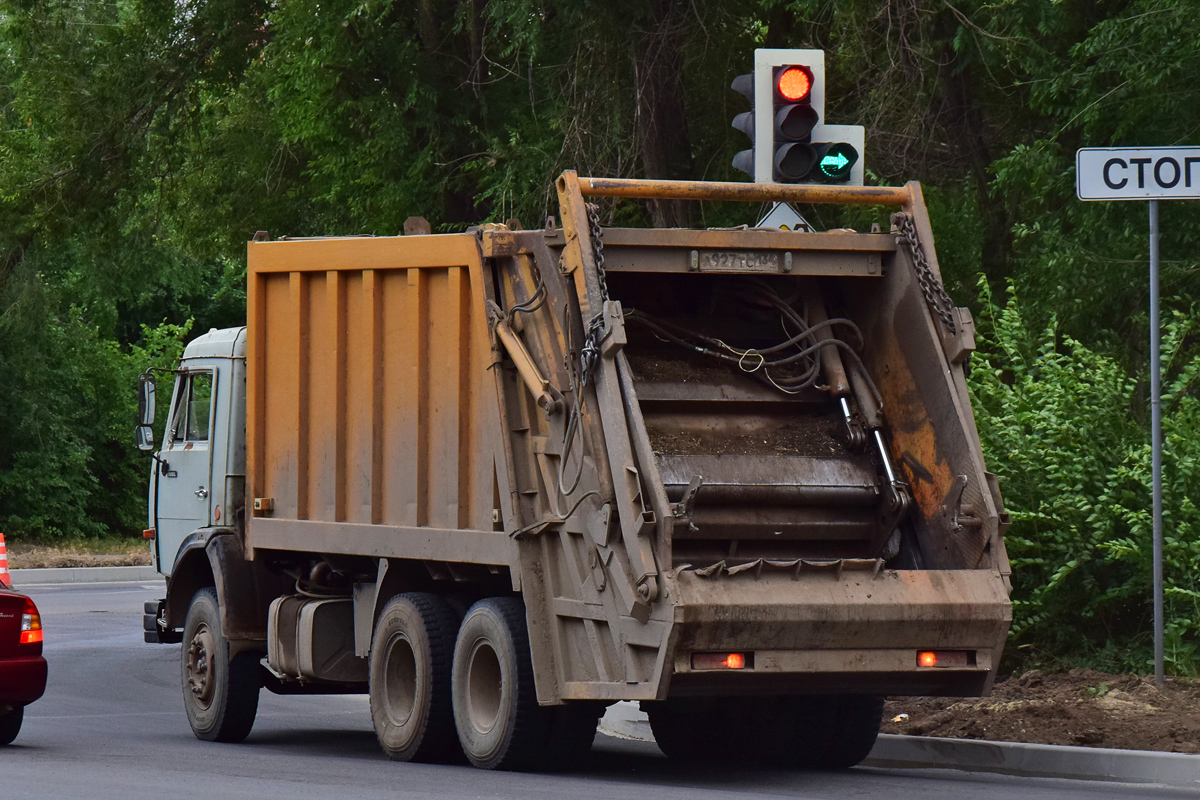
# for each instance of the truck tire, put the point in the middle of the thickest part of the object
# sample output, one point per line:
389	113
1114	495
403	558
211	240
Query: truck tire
695	728
854	730
411	654
796	732
220	694
500	724
572	732
10	724
831	732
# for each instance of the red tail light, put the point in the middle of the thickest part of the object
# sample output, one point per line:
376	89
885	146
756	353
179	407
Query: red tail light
31	624
719	661
946	658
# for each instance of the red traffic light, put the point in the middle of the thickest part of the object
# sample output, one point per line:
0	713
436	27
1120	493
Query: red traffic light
794	83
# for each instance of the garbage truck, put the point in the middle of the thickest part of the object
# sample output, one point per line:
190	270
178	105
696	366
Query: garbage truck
501	479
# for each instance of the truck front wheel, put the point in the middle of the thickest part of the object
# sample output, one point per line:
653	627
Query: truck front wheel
220	694
410	679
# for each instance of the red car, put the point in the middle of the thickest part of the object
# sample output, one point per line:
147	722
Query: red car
22	668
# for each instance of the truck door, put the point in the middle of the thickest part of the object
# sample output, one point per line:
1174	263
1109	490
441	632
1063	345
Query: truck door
185	468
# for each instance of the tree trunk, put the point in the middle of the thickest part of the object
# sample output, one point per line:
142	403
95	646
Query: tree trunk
661	116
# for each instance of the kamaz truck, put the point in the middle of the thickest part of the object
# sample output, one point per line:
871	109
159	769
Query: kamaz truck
503	478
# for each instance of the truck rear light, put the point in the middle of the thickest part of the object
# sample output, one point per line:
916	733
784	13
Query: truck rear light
31	624
722	660
148	533
945	658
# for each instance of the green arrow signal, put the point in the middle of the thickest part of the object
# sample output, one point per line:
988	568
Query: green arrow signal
834	162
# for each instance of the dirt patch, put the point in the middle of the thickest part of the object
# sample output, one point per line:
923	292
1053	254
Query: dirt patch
1078	707
812	436
40	556
697	369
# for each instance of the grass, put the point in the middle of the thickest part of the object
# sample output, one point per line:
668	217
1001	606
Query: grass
77	552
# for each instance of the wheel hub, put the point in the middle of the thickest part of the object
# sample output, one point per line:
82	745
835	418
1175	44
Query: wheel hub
485	687
199	664
400	680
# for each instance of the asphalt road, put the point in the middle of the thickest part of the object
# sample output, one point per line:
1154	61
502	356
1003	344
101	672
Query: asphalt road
112	726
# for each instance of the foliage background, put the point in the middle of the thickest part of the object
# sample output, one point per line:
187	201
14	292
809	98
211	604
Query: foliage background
142	142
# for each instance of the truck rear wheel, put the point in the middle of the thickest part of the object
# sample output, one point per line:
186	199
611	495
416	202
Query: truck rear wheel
220	694
410	679
819	731
695	728
854	730
572	731
496	712
797	732
10	724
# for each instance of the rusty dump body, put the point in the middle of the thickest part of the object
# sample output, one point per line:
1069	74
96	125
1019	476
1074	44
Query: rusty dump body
669	442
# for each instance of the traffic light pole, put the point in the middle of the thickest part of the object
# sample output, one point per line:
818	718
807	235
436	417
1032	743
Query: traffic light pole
1156	447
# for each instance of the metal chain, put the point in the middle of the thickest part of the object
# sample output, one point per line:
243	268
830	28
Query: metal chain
935	294
598	248
589	354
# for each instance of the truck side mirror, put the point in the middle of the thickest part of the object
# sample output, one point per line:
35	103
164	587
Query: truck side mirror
145	400
145	437
145	429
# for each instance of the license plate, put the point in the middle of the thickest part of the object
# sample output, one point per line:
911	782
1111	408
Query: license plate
739	261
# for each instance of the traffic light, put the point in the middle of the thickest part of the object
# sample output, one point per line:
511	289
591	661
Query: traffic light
794	119
745	123
835	160
786	93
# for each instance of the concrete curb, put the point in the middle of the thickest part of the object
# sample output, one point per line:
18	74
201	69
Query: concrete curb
58	575
627	721
1037	760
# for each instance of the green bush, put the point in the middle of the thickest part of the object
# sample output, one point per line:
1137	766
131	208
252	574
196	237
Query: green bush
1063	427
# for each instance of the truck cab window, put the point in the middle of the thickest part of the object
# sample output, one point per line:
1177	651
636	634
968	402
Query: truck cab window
191	420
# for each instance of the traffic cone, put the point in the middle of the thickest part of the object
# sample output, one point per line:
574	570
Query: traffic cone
5	578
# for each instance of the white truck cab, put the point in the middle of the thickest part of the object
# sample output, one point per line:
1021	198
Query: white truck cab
198	477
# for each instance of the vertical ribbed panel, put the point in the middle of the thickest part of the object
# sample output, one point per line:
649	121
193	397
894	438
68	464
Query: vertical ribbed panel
368	359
